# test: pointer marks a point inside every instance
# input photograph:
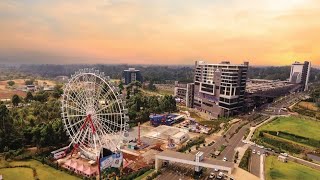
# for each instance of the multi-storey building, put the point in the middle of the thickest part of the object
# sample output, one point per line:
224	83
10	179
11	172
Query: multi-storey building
131	75
184	92
300	73
219	89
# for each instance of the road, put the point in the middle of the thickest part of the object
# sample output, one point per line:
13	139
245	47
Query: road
255	165
276	108
230	143
233	140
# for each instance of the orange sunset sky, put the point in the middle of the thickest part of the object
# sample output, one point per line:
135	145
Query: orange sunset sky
265	32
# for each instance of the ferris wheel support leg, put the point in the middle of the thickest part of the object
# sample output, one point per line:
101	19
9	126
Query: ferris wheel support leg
99	170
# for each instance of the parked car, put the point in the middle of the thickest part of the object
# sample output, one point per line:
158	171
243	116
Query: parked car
254	151
212	176
220	175
225	159
216	170
258	153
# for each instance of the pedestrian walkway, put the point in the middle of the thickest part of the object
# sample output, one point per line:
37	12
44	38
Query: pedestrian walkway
252	129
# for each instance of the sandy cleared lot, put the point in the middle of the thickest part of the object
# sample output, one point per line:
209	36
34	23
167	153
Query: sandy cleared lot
7	92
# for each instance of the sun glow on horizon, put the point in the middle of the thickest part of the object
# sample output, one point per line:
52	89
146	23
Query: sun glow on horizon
265	32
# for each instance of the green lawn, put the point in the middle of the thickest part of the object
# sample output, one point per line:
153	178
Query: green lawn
17	173
275	169
43	171
294	125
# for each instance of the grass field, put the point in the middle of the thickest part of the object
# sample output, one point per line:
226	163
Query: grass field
43	171
294	125
17	173
288	171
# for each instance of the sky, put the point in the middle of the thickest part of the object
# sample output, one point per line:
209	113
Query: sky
263	32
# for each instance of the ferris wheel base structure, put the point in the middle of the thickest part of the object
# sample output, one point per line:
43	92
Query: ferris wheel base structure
93	113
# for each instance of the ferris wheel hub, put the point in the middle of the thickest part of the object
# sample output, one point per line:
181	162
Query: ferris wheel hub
90	112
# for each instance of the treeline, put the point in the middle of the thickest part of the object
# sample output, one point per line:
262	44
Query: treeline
158	74
278	73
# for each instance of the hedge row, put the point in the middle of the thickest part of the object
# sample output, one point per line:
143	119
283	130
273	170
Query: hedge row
135	174
306	112
295	138
192	142
282	145
244	163
153	175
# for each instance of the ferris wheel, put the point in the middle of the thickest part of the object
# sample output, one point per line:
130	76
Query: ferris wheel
93	113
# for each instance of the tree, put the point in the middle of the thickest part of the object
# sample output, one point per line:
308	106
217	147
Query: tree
41	96
29	97
57	91
151	86
8	135
15	100
10	83
29	82
121	87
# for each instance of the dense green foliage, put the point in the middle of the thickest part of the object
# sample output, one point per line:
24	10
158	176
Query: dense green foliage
29	82
10	136
280	144
37	123
135	174
141	106
10	83
192	142
29	97
244	163
15	100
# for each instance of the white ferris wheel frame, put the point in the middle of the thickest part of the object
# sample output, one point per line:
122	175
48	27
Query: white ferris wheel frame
92	122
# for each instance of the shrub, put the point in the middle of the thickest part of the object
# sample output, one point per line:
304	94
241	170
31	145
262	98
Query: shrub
244	163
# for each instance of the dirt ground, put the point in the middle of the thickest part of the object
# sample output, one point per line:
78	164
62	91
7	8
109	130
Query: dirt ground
7	92
308	105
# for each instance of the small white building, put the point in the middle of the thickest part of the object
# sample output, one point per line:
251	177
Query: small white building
59	153
30	87
180	137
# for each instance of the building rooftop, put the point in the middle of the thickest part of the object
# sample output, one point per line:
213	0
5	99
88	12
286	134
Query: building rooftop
191	157
223	63
132	70
256	85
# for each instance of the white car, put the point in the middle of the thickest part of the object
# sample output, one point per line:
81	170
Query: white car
212	176
216	170
284	154
224	159
258	153
254	151
220	175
